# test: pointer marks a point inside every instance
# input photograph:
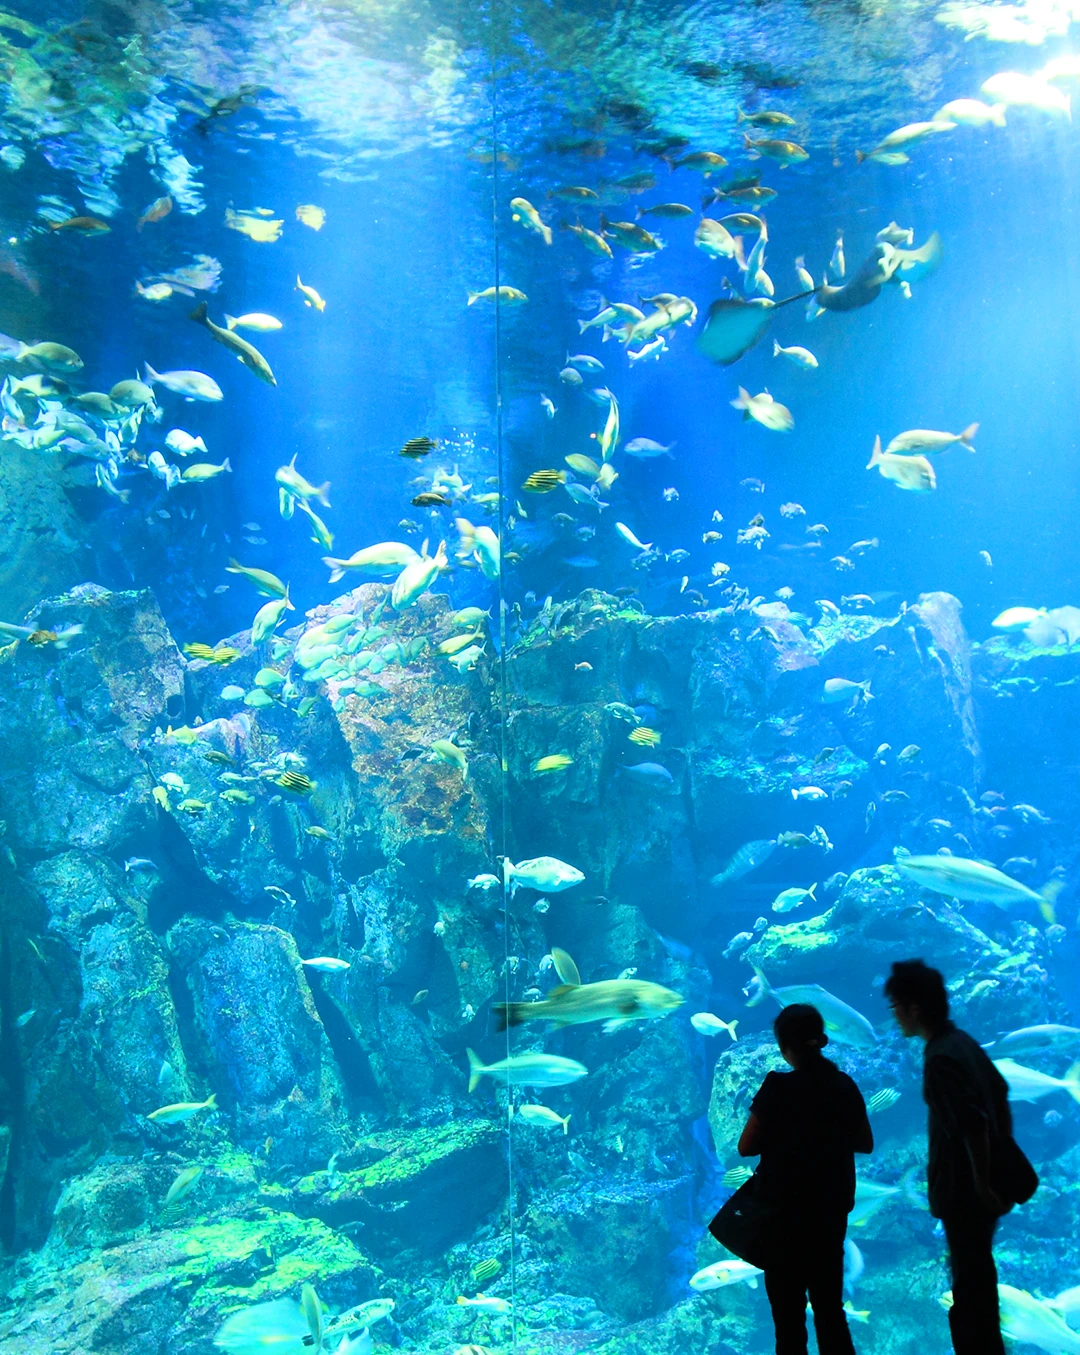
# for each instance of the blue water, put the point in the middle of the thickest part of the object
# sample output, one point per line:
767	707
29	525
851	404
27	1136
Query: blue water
413	130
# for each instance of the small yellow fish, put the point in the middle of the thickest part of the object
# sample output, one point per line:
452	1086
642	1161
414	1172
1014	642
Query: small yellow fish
309	215
254	227
161	796
321	533
443	750
264	324
199	651
505	296
196	808
320	834
906	472
183	1185
182	1110
553	762
646	737
458	642
295	782
81	225
486	1304
156	291
222	654
584	465
204	470
765	118
184	734
783	152
593	242
702	162
266	584
525	214
311	296
160	207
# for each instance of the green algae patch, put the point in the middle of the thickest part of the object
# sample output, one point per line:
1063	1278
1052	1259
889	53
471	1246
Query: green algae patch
812	935
408	1155
251	1259
432	1183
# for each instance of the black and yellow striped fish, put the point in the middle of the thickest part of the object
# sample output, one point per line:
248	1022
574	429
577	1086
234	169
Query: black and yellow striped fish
544	481
417	447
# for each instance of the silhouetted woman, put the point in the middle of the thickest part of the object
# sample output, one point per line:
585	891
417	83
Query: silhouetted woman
807	1125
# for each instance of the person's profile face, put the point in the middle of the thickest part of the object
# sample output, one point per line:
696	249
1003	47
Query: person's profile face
907	1016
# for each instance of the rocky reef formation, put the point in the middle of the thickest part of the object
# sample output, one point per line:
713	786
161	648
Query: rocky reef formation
155	929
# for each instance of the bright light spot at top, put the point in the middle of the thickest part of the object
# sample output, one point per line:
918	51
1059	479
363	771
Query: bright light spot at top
1031	22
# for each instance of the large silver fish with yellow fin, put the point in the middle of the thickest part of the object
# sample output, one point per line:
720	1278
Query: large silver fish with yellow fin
977	882
616	1002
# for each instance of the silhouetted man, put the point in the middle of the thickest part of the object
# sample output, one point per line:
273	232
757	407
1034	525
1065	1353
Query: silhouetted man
968	1102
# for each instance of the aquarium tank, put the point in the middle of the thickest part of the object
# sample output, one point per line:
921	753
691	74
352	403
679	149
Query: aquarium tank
532	534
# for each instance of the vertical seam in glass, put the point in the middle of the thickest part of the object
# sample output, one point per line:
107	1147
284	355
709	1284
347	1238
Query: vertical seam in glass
502	782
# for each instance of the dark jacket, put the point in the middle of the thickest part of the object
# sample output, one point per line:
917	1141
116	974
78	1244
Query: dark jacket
809	1119
964	1093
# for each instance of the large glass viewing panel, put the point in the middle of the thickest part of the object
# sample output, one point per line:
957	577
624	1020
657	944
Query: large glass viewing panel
531	536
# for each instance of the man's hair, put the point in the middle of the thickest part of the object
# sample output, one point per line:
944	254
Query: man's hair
914	983
800	1028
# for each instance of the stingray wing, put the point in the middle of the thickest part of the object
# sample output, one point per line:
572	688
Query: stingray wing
733	327
915	264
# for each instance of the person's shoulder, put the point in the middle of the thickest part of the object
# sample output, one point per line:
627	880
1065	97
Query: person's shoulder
847	1084
956	1044
772	1084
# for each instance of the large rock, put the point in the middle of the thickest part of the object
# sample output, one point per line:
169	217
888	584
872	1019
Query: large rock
1028	698
169	1289
73	719
858	935
880	916
417	1191
261	1043
611	1242
44	546
103	1024
742	725
739	1072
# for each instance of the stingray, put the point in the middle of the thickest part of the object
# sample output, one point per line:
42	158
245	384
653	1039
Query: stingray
864	285
733	326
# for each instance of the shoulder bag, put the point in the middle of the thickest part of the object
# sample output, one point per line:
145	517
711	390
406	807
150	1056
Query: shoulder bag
1012	1176
749	1227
